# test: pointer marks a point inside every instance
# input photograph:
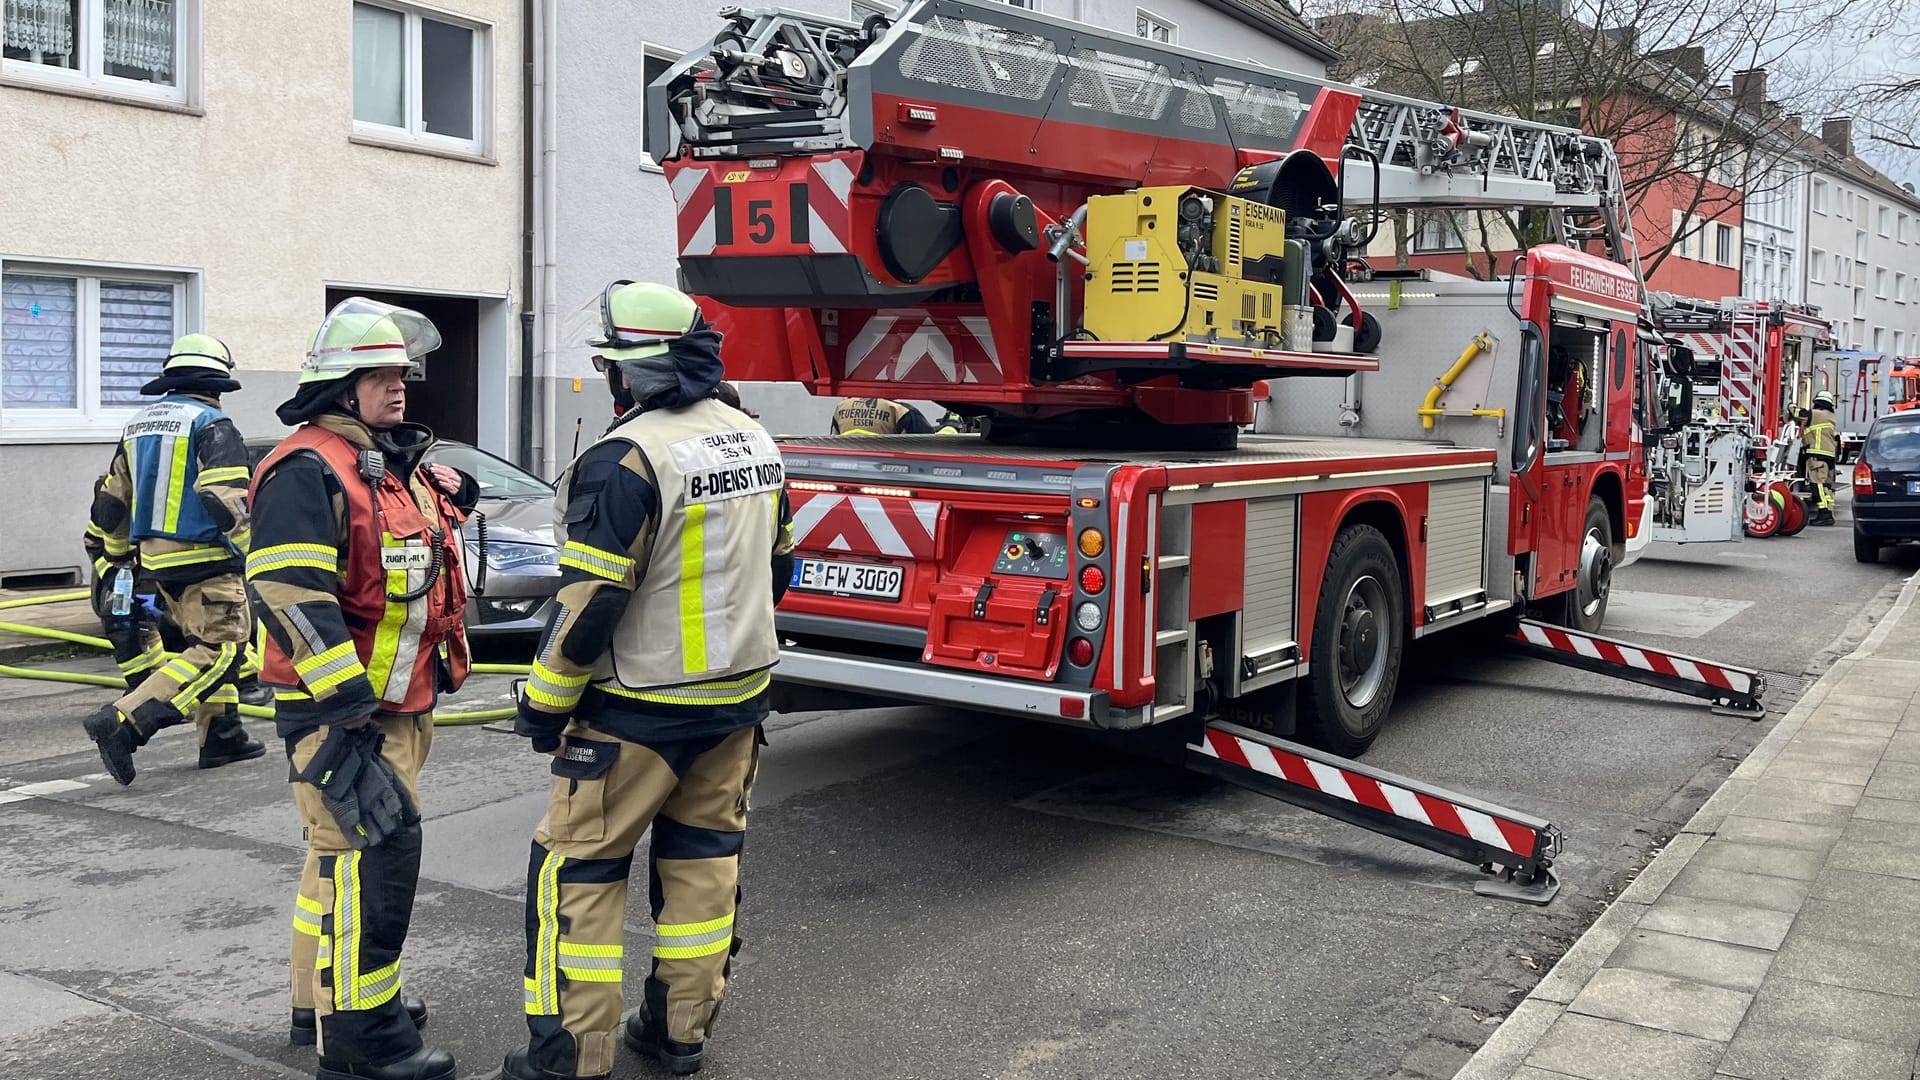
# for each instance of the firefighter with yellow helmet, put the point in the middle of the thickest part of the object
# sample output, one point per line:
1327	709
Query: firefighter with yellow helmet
1821	440
172	511
649	689
356	570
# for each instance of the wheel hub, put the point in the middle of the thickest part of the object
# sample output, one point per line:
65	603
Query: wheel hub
1362	646
1596	572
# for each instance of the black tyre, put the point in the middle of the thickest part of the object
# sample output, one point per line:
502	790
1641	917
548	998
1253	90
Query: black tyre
1584	607
1865	550
1366	335
1359	642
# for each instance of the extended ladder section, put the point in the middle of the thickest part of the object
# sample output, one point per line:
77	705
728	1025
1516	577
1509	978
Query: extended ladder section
1732	690
1517	848
778	82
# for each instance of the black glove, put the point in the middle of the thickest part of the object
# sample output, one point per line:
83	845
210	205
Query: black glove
358	788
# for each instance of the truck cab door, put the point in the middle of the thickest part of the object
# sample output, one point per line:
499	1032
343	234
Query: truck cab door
1530	500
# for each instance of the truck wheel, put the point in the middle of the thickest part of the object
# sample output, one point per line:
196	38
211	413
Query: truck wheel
1864	549
1584	607
1357	644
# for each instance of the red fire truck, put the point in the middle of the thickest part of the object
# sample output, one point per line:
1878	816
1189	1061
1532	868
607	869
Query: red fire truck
1100	245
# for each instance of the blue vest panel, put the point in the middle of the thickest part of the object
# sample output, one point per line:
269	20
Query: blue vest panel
163	462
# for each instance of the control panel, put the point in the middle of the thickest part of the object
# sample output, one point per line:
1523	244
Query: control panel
1033	554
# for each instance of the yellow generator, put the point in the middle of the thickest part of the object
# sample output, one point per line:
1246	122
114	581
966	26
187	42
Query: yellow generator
1182	264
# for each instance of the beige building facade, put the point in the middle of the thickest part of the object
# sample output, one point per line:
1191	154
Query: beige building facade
172	166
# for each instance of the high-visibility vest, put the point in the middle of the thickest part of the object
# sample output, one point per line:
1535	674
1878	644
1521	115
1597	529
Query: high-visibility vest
1818	438
389	554
699	628
164	465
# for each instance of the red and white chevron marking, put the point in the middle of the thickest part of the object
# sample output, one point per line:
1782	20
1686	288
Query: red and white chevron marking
1366	791
864	524
1737	680
913	345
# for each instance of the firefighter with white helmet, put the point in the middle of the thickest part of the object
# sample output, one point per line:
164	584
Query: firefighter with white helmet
649	689
357	573
172	510
1822	443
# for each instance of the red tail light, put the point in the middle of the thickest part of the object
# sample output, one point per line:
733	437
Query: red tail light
1080	651
1862	478
1092	580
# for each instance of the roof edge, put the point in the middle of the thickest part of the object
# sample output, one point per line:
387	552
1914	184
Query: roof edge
1300	37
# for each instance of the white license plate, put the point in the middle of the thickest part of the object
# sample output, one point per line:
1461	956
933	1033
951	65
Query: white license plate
1913	487
870	580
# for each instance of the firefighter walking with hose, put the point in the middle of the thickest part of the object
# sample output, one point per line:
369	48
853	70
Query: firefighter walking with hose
172	511
356	567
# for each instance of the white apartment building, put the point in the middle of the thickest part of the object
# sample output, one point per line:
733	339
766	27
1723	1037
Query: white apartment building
1863	259
1773	236
169	166
602	209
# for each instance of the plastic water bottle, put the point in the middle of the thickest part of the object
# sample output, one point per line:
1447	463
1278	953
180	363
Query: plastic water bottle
123	591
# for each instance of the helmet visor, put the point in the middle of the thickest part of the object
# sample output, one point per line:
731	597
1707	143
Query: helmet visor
357	327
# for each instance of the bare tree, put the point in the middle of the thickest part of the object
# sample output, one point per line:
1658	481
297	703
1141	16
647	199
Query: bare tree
1677	86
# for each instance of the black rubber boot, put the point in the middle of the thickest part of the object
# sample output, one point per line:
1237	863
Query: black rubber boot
647	1037
517	1067
425	1063
1822	517
116	740
302	1030
227	742
252	693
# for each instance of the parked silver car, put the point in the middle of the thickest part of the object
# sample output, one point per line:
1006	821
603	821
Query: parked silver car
522	561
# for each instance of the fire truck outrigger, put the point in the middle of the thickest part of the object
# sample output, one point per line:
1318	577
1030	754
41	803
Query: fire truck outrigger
1100	245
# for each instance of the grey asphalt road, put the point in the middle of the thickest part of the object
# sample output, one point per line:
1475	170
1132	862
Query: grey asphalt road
933	894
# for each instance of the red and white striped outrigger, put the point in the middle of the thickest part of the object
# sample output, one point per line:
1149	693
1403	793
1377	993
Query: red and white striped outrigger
1517	848
1732	690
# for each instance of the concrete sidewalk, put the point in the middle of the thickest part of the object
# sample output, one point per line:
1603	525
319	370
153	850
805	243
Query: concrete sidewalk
1777	937
75	616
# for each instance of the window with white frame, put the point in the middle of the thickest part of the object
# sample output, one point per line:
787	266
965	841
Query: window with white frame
1860	245
1899	288
1439	230
1154	28
77	344
1879	339
1816	265
420	77
1900	228
1885	221
1880	282
1723	245
134	47
1820	203
1460	67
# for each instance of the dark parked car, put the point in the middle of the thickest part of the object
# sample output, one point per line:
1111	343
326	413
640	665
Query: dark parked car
1886	486
523	564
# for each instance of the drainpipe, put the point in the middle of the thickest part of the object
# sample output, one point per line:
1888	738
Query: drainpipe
549	151
523	449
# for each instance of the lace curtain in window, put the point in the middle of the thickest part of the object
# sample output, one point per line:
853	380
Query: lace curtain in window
139	36
39	342
42	26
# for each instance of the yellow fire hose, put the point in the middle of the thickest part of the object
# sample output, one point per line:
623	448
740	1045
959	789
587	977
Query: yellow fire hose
257	712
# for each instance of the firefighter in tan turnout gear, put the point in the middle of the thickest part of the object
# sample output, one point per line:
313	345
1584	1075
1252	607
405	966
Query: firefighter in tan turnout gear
357	573
1822	445
172	511
878	416
649	689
